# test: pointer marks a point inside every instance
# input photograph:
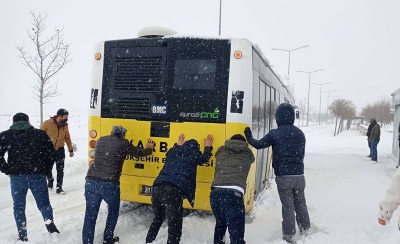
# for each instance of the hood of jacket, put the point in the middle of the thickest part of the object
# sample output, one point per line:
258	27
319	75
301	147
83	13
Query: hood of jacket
192	146
21	125
285	114
236	145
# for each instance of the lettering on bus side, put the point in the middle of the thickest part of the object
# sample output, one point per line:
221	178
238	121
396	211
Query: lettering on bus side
163	148
202	115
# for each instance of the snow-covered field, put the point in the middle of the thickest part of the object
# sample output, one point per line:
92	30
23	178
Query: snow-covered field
343	192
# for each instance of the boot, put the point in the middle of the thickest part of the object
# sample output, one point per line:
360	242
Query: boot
53	232
50	184
60	191
113	241
22	239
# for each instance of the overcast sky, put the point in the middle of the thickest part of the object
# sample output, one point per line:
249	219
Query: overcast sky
356	42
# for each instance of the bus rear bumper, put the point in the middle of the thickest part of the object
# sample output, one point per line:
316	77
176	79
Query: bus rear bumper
138	189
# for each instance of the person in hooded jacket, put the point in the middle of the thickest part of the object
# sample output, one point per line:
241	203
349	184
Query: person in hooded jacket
288	146
30	158
368	135
374	139
226	199
176	181
103	181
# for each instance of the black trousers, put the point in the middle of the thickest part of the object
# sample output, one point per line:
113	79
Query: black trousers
59	159
167	203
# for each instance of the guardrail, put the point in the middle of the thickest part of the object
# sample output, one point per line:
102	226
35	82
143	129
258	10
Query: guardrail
362	129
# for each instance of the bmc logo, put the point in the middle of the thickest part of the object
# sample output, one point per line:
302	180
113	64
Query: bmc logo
159	109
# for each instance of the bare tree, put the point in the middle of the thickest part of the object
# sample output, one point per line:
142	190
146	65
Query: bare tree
379	110
47	58
343	109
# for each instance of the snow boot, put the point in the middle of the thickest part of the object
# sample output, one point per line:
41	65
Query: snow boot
53	232
60	191
22	239
50	184
113	241
289	239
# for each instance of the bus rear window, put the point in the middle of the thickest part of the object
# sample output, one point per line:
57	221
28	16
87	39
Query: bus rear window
195	74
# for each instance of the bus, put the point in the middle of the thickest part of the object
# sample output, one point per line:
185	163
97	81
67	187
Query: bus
160	85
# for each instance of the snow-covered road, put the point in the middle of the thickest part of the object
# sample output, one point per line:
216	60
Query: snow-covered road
343	192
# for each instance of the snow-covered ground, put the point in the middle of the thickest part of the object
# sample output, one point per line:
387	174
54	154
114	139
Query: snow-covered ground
343	192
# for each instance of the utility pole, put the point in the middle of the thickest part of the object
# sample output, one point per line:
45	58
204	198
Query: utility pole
327	105
309	84
220	14
289	51
320	97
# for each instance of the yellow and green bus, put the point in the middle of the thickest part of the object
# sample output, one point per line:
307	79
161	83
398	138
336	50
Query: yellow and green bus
160	85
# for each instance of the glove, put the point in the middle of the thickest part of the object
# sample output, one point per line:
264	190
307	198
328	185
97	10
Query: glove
247	133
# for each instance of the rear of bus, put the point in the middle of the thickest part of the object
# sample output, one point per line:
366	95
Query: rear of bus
160	88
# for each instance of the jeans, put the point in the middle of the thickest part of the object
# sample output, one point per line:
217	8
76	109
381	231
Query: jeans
167	202
291	193
19	188
95	192
374	149
59	158
229	212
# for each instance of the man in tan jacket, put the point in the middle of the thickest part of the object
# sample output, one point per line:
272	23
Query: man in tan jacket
57	129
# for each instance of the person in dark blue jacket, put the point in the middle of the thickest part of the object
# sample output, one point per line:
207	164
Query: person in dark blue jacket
176	181
288	146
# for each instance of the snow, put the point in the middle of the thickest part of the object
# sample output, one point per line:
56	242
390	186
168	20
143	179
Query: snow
343	192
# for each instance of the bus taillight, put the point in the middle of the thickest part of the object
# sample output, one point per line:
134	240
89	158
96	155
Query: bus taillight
93	134
91	154
97	56
238	54
92	144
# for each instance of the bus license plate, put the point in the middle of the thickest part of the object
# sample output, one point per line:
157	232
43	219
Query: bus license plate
146	190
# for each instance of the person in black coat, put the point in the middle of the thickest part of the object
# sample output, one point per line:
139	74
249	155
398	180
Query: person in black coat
288	146
30	158
176	181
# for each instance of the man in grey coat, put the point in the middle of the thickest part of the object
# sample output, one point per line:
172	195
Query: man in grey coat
232	168
102	181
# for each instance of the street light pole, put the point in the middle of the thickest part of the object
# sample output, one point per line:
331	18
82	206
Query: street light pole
220	14
309	84
327	106
289	51
320	97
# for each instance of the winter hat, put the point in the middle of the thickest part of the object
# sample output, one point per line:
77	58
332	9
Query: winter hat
373	120
118	131
238	137
20	117
62	112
